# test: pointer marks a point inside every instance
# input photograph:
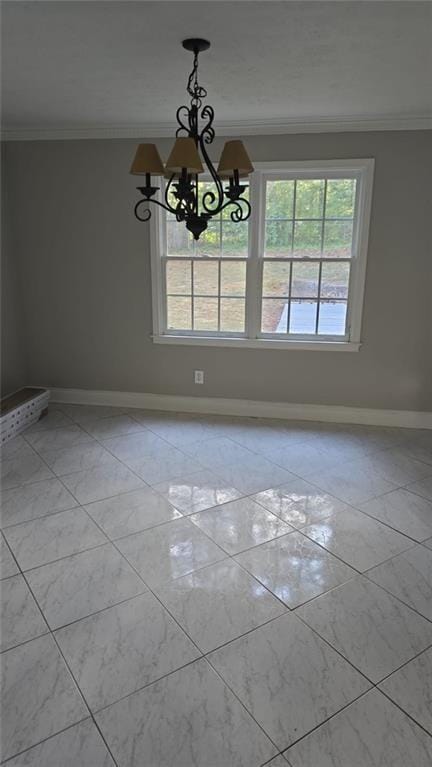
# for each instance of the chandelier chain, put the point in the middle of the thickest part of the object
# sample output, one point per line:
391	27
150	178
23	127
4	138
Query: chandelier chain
196	91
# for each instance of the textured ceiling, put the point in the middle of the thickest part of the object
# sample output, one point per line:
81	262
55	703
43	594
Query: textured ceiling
86	64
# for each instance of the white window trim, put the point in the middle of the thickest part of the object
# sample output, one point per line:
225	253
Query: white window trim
362	170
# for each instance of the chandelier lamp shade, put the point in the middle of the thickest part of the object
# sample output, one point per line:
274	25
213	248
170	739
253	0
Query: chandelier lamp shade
181	195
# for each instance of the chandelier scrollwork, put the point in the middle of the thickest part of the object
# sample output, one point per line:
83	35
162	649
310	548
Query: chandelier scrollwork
182	196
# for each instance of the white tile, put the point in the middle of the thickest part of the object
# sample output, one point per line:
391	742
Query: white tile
294	568
21	619
39	696
359	540
423	488
23	469
372	629
169	551
58	535
238	525
8	566
351	483
218	603
24	503
105	428
79	746
299	503
101	482
54	439
15	447
278	761
188	719
287	677
124	648
411	689
81	414
169	463
131	512
135	447
77	458
82	584
54	419
418	450
254	475
394	466
265	437
371	732
219	451
180	429
409	578
304	458
404	511
198	491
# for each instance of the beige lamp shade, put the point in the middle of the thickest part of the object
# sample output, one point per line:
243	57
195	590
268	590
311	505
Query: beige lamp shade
234	157
147	160
184	154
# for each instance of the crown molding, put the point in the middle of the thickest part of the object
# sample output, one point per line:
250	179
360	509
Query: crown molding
241	127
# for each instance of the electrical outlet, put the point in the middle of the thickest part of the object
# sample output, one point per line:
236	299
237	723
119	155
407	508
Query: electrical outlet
199	376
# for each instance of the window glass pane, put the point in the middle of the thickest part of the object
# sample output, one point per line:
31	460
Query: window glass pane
274	315
303	317
205	314
206	277
235	239
278	239
209	241
232	316
279	199
305	280
307	239
233	278
335	279
276	279
337	239
179	313
179	240
178	277
332	318
340	198
309	198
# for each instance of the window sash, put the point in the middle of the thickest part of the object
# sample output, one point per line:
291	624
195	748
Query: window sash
360	170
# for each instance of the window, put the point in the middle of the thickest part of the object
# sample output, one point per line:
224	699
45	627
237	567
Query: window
291	276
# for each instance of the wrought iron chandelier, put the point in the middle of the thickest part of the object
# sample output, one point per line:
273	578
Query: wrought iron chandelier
182	196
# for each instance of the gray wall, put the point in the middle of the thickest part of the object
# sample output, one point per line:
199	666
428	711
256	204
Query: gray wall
13	370
85	274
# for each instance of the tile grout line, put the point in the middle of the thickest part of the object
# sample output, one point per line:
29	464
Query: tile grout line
52	634
232	557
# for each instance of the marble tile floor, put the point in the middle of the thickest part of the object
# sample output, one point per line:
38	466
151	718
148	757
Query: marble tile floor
201	591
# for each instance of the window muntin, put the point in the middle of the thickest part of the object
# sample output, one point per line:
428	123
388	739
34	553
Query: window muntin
295	271
206	279
309	224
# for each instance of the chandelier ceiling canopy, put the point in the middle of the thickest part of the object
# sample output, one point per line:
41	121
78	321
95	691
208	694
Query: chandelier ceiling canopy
188	159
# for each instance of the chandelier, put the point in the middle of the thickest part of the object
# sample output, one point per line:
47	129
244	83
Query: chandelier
182	196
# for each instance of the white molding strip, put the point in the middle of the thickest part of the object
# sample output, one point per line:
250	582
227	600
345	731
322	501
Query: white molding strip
240	407
243	128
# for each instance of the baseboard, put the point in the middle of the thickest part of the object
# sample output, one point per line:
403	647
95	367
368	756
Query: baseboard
241	407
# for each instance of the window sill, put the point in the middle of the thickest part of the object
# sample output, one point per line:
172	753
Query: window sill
258	343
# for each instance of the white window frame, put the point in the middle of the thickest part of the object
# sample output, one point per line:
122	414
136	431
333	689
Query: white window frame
360	169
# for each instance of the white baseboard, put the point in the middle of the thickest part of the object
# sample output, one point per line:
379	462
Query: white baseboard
241	407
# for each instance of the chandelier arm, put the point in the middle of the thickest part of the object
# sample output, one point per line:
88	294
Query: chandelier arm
180	117
147	212
242	209
210	197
